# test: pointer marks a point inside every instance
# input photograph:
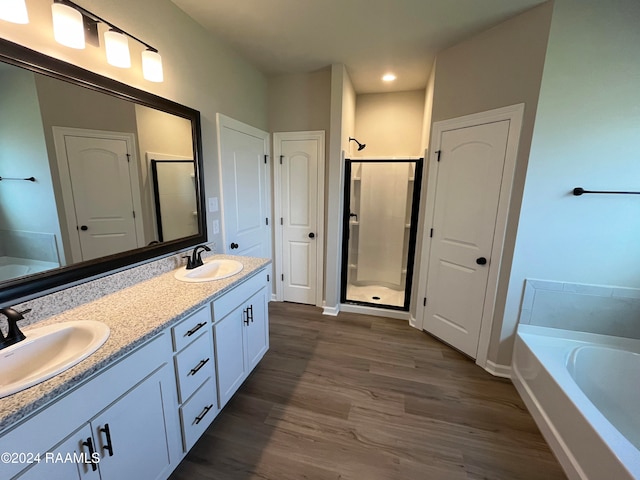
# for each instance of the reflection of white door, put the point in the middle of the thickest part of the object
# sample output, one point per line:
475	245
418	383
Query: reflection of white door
101	192
245	177
299	162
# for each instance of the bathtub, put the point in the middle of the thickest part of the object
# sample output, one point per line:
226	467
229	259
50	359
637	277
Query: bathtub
13	267
583	390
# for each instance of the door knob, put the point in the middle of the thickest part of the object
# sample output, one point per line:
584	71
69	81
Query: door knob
481	261
234	246
312	235
84	228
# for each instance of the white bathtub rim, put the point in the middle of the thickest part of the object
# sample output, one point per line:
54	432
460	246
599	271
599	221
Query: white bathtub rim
566	340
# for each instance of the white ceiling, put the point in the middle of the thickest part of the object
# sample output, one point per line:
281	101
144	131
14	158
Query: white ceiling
369	36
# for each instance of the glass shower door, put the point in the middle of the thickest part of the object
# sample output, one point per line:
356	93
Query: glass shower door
379	231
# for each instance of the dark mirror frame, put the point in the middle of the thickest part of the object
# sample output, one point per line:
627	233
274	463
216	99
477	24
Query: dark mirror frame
39	284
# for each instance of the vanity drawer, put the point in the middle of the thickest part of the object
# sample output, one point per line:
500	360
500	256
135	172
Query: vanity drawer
188	329
198	413
229	301
194	365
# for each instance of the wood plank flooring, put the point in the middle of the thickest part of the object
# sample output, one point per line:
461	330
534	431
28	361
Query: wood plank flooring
357	397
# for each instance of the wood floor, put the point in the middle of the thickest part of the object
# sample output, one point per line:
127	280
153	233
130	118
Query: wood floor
365	398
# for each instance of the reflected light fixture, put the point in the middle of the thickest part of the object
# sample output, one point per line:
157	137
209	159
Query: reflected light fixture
152	65
14	11
68	27
388	77
117	46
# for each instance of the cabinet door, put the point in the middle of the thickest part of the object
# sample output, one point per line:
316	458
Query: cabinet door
230	359
257	332
131	434
71	460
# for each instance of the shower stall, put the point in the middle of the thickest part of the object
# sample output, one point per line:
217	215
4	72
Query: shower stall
379	231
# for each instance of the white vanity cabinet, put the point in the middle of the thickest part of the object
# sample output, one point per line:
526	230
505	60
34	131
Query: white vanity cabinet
127	416
240	332
195	375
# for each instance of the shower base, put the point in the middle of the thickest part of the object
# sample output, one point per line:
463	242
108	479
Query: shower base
375	294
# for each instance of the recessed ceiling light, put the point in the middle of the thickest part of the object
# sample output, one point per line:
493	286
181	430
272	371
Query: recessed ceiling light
389	77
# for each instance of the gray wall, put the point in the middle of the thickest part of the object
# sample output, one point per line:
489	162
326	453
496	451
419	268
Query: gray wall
587	134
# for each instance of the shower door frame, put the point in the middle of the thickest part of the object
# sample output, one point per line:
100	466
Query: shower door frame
413	230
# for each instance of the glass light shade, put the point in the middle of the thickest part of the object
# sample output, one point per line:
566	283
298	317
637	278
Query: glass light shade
117	47
14	11
68	29
152	66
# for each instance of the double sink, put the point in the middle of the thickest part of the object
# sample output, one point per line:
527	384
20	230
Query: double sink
50	350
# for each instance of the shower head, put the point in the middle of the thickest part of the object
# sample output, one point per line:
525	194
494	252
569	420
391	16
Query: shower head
360	145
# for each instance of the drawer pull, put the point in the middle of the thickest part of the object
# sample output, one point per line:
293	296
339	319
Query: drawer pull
204	412
89	445
109	445
195	369
195	329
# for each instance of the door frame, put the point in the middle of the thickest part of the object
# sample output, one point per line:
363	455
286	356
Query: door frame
64	175
513	114
278	137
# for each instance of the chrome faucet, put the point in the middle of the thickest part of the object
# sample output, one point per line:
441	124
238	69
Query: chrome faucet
14	335
195	260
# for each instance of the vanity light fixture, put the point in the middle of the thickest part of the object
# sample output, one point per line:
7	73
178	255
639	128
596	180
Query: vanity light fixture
73	25
14	11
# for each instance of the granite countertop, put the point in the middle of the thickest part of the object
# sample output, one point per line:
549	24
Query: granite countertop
134	315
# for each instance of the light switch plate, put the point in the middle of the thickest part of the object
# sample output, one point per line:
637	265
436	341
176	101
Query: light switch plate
213	204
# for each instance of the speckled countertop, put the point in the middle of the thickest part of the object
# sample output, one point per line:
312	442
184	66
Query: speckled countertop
134	315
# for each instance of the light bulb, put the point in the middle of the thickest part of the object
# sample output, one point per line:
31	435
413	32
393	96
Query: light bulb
68	28
117	46
14	11
152	66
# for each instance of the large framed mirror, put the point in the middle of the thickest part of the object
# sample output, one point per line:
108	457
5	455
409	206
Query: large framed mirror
77	196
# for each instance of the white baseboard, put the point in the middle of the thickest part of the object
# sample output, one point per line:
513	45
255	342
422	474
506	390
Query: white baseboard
498	370
377	312
413	321
333	311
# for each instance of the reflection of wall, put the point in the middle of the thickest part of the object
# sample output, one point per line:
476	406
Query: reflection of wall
389	123
158	132
24	206
587	134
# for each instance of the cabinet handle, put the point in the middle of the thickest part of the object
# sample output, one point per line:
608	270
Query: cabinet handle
250	309
109	446
89	445
195	329
204	412
195	369
245	312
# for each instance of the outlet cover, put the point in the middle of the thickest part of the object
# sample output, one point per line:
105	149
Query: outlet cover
216	227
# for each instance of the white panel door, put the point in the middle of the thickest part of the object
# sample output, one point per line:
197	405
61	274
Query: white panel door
102	195
245	188
299	176
469	177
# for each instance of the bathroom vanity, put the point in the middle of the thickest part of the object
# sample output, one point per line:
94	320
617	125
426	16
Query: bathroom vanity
176	354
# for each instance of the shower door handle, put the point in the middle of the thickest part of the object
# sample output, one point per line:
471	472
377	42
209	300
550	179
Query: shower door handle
312	235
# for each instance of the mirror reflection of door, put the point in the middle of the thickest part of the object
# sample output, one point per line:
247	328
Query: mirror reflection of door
101	194
175	198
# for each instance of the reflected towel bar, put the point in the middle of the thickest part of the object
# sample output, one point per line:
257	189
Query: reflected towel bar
30	179
579	191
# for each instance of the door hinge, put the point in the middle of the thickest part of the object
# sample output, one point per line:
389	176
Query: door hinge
282	277
438	152
281	157
431	233
424	302
267	277
281	221
266	221
266	157
128	158
134	214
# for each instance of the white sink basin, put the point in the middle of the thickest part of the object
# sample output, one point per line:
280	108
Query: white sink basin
48	351
213	269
